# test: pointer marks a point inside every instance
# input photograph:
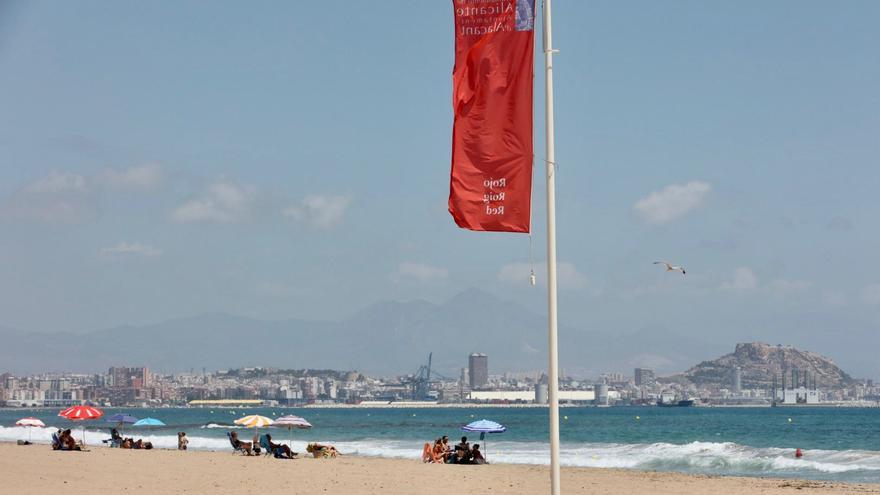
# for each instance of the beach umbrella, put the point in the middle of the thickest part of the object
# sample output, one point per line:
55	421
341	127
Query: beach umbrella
483	427
30	423
254	421
149	422
122	419
291	422
81	413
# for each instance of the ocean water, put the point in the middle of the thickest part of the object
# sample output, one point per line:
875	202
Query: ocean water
839	443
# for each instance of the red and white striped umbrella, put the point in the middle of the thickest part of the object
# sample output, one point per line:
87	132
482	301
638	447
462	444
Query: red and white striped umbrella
80	413
77	413
30	422
291	422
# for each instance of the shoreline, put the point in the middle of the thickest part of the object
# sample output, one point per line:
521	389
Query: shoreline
36	469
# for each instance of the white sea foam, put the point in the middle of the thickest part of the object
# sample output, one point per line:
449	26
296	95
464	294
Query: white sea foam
695	457
701	457
219	426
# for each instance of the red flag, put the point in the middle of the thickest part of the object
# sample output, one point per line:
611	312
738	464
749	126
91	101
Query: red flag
491	184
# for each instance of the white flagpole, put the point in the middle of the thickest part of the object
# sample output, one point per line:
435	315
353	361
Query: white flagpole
553	386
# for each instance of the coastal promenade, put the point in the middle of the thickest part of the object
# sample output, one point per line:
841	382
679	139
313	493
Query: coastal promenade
37	470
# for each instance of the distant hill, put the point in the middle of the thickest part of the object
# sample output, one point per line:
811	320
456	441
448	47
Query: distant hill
385	338
759	361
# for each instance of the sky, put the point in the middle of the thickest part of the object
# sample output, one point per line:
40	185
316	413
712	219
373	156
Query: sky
291	159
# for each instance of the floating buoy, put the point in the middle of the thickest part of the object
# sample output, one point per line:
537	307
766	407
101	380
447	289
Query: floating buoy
565	418
638	418
789	420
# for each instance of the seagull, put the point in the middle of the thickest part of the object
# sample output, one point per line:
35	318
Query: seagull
670	267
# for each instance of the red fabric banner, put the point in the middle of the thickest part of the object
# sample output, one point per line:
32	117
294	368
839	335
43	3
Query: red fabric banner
492	150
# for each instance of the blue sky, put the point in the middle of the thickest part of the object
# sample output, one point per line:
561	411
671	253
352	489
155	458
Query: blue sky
291	159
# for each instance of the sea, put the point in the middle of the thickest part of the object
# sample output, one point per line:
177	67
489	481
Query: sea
840	444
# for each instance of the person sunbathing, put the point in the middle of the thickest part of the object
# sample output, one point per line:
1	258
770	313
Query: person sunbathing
318	450
430	454
245	447
477	456
462	452
68	442
275	448
439	451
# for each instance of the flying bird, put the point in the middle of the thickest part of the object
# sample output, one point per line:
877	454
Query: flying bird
670	267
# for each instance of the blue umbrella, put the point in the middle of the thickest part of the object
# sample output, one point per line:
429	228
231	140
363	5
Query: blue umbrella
122	419
484	426
149	422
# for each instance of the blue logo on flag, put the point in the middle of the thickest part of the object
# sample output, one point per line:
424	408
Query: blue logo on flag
525	15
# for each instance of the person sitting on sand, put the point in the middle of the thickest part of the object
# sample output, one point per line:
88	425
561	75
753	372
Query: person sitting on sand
439	451
447	448
68	442
182	440
462	452
279	447
56	440
427	453
318	450
477	456
245	447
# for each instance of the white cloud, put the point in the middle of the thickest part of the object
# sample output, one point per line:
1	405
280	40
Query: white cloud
223	202
57	197
69	198
134	249
567	275
319	210
783	287
57	182
871	294
421	272
672	202
143	177
743	279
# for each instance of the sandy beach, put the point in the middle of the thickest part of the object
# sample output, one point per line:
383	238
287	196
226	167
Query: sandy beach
38	470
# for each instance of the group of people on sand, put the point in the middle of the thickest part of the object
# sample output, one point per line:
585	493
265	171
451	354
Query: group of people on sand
462	453
116	440
258	444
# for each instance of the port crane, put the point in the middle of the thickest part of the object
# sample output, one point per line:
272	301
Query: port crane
419	383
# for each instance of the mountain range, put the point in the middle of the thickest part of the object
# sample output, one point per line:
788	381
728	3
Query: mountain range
385	338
